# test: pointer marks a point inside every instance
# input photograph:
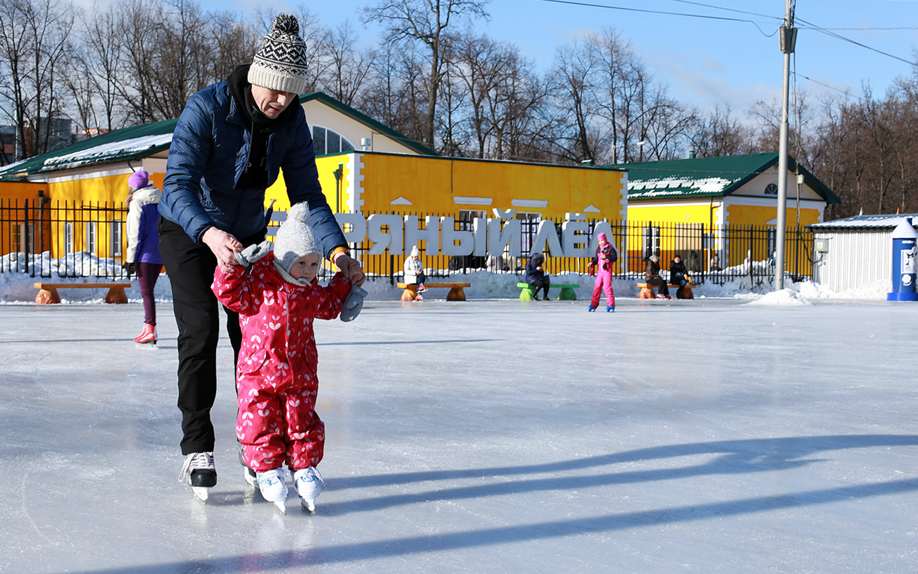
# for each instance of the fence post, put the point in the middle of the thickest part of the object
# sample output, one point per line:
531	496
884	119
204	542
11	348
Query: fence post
25	235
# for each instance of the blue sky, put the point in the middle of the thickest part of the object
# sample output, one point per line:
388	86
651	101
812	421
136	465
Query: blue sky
703	62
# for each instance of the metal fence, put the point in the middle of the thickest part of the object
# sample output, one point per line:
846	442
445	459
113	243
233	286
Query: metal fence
88	239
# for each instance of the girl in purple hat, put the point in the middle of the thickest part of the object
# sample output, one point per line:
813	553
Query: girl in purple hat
142	256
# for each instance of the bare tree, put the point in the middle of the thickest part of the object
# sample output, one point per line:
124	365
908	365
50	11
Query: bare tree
425	21
102	61
575	71
33	35
719	133
348	67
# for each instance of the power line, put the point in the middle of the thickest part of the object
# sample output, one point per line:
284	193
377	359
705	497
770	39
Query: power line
663	13
778	18
809	25
832	34
846	93
716	7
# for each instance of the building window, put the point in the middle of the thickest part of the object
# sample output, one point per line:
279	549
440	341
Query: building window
68	237
116	238
92	233
651	236
24	237
326	141
529	222
467	217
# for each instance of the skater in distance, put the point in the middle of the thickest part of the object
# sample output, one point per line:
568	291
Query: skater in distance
142	256
601	267
228	146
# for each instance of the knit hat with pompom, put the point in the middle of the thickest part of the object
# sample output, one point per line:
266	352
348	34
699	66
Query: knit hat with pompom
294	237
280	64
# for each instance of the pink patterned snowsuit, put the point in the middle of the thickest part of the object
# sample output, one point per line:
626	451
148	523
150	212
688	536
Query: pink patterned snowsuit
604	264
276	374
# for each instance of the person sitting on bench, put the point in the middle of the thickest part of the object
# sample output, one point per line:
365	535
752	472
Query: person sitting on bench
678	274
414	270
652	277
536	276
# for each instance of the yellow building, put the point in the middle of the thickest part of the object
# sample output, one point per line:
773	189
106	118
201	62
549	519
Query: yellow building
84	186
687	206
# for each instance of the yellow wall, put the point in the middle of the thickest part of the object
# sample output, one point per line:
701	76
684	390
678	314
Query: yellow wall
704	213
796	247
326	166
765	215
431	184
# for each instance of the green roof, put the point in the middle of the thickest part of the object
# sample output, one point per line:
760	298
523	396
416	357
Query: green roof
137	142
120	145
707	177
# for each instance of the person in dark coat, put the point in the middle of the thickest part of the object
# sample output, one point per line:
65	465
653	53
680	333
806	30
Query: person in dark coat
678	274
536	277
652	276
229	145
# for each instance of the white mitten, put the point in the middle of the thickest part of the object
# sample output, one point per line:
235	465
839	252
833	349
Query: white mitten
253	253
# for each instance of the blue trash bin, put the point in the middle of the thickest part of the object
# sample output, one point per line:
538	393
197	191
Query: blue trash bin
904	264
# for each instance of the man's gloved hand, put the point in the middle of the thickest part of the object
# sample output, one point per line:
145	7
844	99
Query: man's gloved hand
353	304
129	268
253	253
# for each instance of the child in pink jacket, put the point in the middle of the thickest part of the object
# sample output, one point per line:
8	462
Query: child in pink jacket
277	297
602	267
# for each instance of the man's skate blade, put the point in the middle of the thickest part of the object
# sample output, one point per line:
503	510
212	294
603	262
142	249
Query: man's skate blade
200	493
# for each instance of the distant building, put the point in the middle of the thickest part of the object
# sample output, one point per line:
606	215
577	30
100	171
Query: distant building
7	144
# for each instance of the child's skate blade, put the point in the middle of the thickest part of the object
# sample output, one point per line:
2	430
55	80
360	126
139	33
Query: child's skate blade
309	507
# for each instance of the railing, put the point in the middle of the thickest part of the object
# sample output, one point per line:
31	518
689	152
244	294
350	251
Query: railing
88	239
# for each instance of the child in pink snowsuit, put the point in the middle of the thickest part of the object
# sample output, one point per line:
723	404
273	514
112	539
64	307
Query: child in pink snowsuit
277	297
602	264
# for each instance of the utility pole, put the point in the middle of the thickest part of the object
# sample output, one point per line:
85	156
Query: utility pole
788	39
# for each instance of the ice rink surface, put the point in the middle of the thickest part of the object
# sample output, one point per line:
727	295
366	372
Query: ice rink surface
487	436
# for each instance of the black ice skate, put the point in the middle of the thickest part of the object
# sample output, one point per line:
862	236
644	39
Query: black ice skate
199	473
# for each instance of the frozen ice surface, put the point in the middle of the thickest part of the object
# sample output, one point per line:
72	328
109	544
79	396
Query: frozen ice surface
487	436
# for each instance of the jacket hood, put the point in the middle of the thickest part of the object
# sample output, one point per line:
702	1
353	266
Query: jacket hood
146	195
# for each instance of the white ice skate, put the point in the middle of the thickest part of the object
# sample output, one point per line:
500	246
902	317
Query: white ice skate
309	484
273	487
199	472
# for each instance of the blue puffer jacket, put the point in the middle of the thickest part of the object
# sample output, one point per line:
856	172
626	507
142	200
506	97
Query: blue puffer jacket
209	150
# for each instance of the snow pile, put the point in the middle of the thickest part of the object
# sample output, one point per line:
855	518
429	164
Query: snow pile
17	286
874	292
782	297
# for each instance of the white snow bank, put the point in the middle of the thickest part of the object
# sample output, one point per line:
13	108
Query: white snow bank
784	297
17	285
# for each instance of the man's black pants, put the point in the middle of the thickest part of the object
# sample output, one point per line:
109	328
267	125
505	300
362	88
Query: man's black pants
190	267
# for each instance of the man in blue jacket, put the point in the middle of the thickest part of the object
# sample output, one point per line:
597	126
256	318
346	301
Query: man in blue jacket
228	146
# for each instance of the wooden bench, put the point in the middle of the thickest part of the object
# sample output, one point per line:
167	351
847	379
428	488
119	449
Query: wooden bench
47	292
456	290
683	292
568	292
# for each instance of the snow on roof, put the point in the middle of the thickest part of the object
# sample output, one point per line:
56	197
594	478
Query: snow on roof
679	185
113	149
876	221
